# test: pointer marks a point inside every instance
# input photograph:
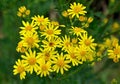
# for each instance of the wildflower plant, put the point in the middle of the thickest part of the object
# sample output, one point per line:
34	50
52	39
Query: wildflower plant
45	49
48	47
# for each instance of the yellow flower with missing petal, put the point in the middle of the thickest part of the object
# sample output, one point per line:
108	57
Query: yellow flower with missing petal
20	68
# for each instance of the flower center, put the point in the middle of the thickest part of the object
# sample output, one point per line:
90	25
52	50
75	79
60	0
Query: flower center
44	67
60	63
28	28
82	53
40	20
73	55
30	40
20	69
51	44
49	31
77	9
42	27
32	60
67	44
116	51
87	42
47	54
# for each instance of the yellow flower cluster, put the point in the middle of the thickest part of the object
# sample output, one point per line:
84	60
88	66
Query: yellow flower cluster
77	11
23	12
112	46
45	49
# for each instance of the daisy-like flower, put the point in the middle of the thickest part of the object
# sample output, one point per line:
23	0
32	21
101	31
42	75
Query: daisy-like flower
51	31
31	61
84	54
114	53
19	68
44	68
31	39
76	10
65	43
20	47
28	27
87	41
77	31
40	20
51	43
47	54
72	56
61	64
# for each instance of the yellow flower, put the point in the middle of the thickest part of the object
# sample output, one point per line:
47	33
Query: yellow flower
31	61
90	19
77	31
65	43
115	26
82	18
60	63
42	27
20	47
31	39
65	13
19	68
52	43
44	68
114	53
40	20
114	41
27	12
72	56
47	55
84	54
23	12
28	27
76	10
22	9
19	14
51	31
87	41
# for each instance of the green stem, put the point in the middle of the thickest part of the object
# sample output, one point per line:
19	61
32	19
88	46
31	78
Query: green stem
111	34
71	73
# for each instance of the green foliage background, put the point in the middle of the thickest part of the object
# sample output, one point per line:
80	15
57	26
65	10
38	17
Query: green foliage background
102	73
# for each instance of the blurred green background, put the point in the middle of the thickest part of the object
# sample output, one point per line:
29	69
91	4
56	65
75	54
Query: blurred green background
103	72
